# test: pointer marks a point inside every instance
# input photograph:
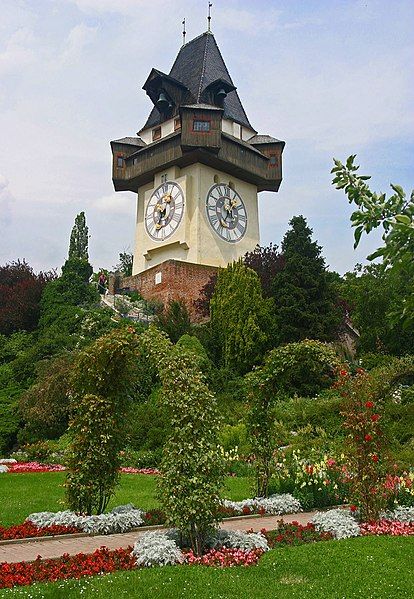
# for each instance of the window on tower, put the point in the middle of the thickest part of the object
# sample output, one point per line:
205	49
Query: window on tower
120	161
177	124
156	133
201	125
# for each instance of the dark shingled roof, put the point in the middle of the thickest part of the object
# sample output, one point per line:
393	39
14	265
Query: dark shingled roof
198	64
263	139
131	141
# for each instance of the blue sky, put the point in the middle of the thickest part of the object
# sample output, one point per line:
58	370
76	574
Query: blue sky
330	78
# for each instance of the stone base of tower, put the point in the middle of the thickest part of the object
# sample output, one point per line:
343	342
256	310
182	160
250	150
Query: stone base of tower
172	280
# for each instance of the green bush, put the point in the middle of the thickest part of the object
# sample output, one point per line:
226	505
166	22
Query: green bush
148	425
232	437
101	379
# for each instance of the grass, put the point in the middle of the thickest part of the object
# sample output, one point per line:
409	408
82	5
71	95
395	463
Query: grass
23	494
365	567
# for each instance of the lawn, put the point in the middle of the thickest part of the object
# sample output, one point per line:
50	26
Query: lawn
22	494
368	567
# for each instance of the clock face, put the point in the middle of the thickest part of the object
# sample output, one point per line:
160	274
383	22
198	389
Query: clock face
164	211
226	212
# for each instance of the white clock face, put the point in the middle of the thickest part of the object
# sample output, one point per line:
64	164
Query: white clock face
226	212
164	211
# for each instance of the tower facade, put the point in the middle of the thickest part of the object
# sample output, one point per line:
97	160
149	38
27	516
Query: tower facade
197	166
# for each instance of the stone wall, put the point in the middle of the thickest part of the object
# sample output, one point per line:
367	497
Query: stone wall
172	280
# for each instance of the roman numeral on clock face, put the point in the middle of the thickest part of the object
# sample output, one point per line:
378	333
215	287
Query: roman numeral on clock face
163	214
226	212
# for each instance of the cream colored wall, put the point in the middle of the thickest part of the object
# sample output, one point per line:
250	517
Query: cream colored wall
166	128
237	130
195	240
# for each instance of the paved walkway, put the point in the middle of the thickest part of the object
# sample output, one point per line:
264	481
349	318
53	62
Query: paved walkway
55	547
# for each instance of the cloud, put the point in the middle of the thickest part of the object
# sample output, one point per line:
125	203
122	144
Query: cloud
6	199
254	22
125	7
18	54
116	203
78	38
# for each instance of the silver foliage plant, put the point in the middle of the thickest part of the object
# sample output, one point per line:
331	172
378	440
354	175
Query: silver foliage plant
401	513
274	505
157	549
120	519
237	539
340	523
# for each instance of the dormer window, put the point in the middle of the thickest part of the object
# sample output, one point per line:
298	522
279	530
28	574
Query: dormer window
120	161
203	126
177	124
156	133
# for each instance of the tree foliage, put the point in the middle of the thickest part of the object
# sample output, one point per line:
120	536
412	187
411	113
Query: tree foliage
240	317
305	300
174	320
192	465
373	295
267	262
20	293
79	239
395	214
101	381
125	263
302	368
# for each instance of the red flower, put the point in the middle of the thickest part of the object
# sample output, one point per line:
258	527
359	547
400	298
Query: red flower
375	417
369	404
368	438
343	372
375	458
353	508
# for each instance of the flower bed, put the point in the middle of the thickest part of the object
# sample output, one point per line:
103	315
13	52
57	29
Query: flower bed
12	466
225	558
275	505
387	527
24	467
50	570
28	530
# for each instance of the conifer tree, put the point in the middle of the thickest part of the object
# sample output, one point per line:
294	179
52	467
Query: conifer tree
240	317
78	245
305	300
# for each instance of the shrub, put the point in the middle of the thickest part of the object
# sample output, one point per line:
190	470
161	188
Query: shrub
156	549
101	379
236	539
340	523
174	320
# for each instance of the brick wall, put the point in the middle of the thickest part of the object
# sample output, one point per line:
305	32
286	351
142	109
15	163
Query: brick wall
172	280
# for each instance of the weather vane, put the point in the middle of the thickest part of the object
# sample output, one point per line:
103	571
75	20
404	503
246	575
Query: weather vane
209	15
184	31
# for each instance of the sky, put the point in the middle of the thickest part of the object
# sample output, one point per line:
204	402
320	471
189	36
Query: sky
329	77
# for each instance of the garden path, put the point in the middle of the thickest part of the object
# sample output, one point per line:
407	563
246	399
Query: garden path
54	547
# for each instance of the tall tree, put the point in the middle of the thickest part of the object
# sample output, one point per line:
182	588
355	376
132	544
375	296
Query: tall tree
305	300
78	245
240	317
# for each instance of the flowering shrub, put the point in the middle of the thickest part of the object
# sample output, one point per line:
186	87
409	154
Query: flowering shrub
113	522
294	533
274	505
156	549
340	523
362	419
27	529
153	517
388	527
224	558
237	539
68	566
400	488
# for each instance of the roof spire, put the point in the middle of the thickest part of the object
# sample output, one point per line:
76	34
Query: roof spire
184	31
209	16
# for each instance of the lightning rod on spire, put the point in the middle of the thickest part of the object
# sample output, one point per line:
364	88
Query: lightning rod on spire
209	16
184	31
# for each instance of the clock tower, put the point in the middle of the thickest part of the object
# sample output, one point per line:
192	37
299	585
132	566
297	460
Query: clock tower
196	166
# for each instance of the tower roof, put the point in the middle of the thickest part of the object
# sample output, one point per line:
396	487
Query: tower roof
199	63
